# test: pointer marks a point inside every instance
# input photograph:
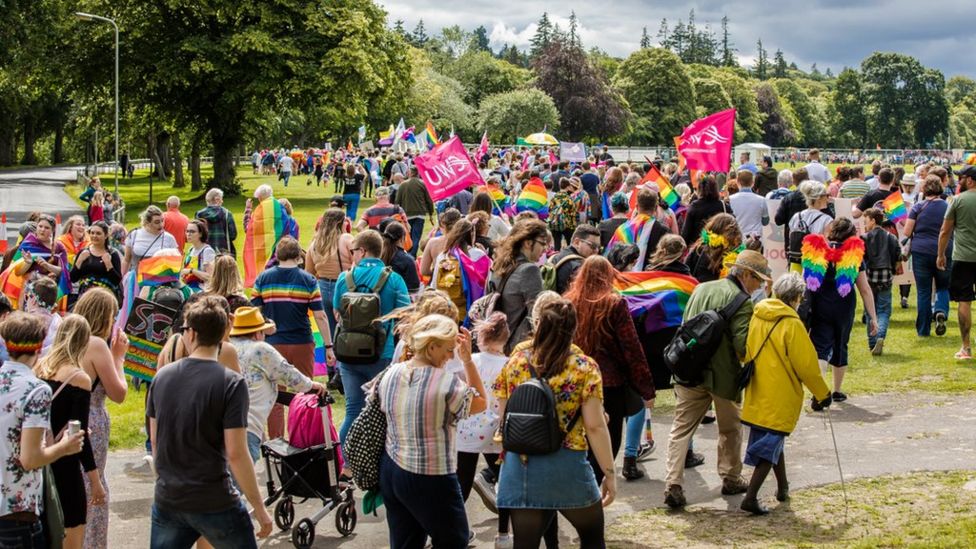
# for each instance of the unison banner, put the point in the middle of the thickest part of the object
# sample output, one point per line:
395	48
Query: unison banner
706	144
446	169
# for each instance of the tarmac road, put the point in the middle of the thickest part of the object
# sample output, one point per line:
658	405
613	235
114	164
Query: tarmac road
35	190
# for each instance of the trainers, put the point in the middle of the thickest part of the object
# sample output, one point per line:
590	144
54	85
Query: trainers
940	323
148	459
837	396
645	451
878	347
486	491
674	497
904	303
504	541
733	486
693	460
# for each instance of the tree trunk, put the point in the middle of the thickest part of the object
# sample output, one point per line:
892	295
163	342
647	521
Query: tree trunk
8	142
153	148
57	154
196	181
225	133
29	137
178	181
162	152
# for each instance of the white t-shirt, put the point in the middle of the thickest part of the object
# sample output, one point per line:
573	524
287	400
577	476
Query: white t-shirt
818	172
475	433
749	209
286	163
815	220
145	244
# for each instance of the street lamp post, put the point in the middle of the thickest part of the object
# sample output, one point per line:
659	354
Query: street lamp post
89	17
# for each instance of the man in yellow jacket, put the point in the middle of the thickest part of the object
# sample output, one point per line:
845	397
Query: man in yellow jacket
774	395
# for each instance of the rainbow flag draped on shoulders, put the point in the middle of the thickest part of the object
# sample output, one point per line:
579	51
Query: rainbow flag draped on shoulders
12	285
499	200
894	207
534	198
659	296
474	276
266	228
629	232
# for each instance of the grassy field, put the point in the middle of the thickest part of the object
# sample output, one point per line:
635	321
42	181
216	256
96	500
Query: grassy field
884	512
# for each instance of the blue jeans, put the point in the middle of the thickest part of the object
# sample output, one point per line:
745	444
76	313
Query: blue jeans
352	205
22	535
418	506
253	446
634	434
327	289
354	376
286	176
923	266
882	307
416	233
224	529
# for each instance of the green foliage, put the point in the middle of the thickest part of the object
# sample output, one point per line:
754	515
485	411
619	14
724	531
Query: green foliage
778	126
481	74
436	97
749	120
961	90
657	87
693	44
905	102
810	122
962	127
509	115
761	67
604	62
710	97
849	121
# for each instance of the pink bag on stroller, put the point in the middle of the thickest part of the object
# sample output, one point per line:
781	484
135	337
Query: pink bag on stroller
305	424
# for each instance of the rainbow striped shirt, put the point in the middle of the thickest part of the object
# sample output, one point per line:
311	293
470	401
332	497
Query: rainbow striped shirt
285	295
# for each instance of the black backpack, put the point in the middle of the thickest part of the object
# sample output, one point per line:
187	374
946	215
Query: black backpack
795	253
531	424
697	340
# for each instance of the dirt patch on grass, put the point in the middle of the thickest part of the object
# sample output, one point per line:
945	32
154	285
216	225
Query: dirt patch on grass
891	511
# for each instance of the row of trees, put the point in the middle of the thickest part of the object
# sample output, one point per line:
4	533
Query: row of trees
216	77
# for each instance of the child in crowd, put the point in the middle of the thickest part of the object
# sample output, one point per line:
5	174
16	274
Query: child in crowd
881	257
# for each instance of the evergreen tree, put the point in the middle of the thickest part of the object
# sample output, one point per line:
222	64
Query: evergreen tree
793	66
479	40
829	73
543	35
728	50
761	67
574	39
779	64
814	71
419	36
663	33
645	39
398	28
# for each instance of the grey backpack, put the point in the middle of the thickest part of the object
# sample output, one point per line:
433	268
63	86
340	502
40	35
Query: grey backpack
360	338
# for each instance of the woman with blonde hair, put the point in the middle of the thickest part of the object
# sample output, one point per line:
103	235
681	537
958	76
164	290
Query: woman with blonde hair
225	281
423	403
61	369
147	240
73	237
103	363
329	254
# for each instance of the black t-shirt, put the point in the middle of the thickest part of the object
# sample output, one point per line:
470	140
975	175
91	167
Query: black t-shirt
404	265
873	197
193	401
608	227
353	185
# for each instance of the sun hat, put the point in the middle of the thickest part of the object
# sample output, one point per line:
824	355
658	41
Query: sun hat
755	262
248	320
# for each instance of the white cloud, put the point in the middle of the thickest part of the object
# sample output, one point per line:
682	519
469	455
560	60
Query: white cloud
501	35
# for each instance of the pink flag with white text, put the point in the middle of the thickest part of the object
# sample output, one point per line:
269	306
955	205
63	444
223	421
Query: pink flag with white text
483	148
446	169
706	144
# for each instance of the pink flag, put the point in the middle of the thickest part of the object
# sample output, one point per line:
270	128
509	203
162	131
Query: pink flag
447	168
483	148
552	159
707	143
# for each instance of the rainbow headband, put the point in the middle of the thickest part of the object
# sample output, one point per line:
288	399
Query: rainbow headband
24	347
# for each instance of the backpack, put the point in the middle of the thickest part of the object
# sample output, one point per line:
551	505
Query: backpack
449	281
795	253
531	424
697	340
359	338
550	270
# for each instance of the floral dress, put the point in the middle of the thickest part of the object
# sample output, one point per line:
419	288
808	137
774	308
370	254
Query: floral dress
99	426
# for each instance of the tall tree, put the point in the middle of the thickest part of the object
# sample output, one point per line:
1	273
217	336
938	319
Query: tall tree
657	87
779	64
645	41
574	38
728	49
481	74
663	33
509	115
760	69
480	40
419	35
905	101
710	97
777	129
850	122
587	106
542	37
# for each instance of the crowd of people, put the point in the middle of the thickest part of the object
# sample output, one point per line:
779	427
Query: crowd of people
447	314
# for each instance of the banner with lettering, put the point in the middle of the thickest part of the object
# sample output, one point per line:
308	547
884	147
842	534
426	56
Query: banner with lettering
574	152
706	144
446	169
148	326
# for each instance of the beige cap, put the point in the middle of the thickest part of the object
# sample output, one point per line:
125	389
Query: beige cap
755	262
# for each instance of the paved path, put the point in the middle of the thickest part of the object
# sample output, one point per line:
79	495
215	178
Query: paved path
35	190
876	435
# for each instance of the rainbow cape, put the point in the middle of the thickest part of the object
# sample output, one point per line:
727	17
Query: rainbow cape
158	270
474	276
12	284
500	201
266	227
894	207
534	198
818	255
629	232
659	296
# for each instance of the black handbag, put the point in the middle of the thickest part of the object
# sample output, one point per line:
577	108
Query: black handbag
366	441
749	369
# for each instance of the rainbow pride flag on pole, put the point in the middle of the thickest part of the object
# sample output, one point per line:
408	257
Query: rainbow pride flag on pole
894	207
969	158
266	227
533	198
159	269
665	190
660	297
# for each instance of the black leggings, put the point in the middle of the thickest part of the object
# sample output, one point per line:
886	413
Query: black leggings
467	468
616	427
529	525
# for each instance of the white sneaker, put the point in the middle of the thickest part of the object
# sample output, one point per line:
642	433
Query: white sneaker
148	459
504	541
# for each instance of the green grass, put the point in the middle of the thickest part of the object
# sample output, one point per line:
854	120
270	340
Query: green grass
884	512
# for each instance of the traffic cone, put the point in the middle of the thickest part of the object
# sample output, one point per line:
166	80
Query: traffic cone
3	233
57	225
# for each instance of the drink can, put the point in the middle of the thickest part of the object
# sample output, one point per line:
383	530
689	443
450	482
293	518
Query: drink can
74	426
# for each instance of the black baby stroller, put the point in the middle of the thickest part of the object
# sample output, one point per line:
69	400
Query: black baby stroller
306	473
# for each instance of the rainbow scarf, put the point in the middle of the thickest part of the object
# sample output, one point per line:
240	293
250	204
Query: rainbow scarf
894	207
266	227
665	191
534	198
499	200
158	270
636	230
474	276
320	368
660	296
818	255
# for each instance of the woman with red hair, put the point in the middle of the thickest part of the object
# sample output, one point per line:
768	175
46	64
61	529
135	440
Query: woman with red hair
606	333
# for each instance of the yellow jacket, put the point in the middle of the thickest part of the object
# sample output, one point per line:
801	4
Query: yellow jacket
774	396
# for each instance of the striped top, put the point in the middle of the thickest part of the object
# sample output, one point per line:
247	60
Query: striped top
854	188
286	295
423	406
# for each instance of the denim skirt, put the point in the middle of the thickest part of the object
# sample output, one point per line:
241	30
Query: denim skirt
561	480
764	445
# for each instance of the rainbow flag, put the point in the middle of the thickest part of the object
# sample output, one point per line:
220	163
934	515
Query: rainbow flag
660	297
11	284
71	249
969	158
432	135
894	207
266	227
665	190
474	276
533	198
500	201
158	270
629	232
320	368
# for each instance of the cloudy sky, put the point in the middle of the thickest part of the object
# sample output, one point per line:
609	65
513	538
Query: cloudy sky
830	33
